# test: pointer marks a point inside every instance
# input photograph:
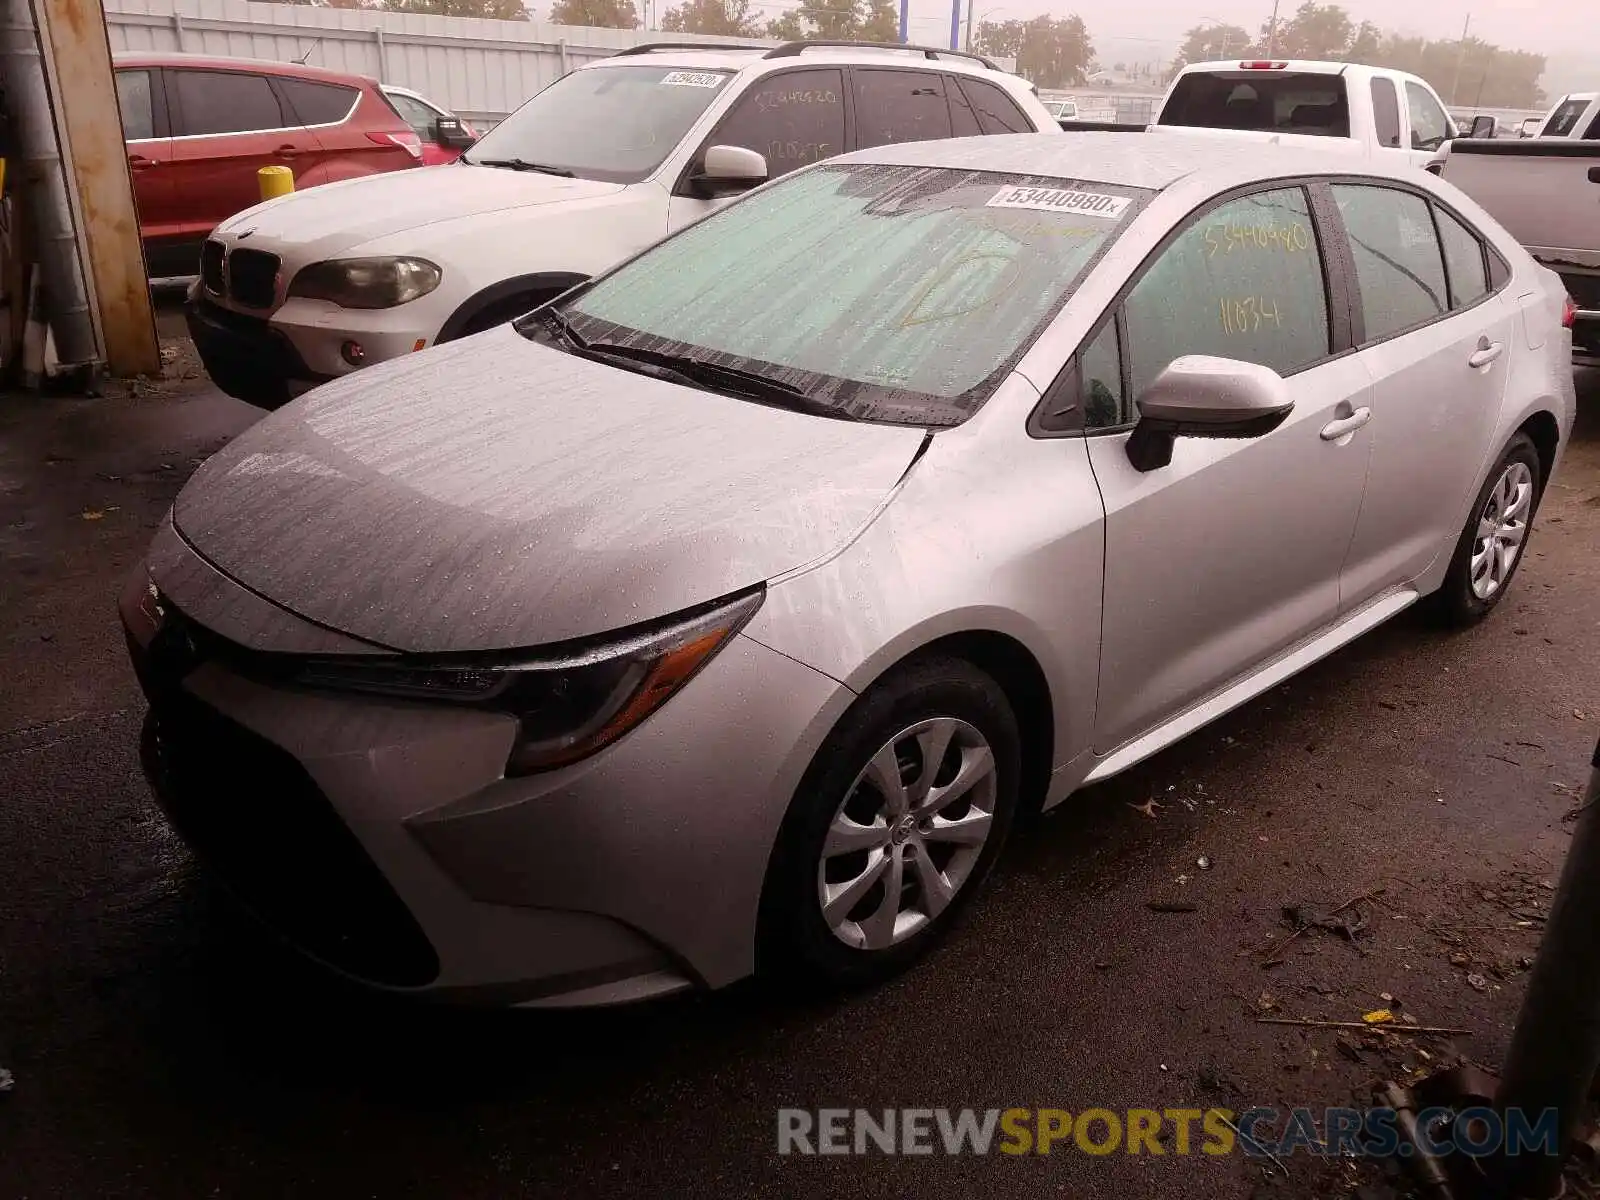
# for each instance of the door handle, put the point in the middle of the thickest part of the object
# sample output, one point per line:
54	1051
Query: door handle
1334	430
1486	353
288	151
138	162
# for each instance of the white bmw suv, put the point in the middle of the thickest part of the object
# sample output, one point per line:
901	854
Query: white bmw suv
605	161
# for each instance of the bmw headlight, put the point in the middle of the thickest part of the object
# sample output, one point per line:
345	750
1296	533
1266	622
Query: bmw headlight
366	282
570	704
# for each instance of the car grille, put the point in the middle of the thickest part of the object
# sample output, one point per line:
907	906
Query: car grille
254	815
253	277
211	274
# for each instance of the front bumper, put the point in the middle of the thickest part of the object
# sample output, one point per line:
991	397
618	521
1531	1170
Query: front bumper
245	356
379	836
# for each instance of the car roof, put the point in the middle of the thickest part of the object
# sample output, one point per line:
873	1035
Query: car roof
1154	161
755	60
1292	66
223	62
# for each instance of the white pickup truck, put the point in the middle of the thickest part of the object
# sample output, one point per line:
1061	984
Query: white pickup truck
1546	192
1370	112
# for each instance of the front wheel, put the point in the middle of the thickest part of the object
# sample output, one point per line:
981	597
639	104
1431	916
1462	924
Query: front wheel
1496	535
901	816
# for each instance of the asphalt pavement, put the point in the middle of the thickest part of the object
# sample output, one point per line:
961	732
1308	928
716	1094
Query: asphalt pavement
162	1046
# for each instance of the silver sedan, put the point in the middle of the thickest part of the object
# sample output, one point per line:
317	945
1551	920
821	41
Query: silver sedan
726	612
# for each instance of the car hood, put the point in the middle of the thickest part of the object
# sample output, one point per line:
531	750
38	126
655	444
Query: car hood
493	493
360	210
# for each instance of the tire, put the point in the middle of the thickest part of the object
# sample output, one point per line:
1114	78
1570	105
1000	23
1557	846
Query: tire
937	700
1476	582
502	311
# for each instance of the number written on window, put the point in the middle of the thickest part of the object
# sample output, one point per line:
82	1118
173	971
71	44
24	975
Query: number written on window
793	118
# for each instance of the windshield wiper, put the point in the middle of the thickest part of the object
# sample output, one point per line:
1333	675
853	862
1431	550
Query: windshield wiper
522	164
751	385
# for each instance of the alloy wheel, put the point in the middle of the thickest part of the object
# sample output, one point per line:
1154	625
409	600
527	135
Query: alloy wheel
1502	529
908	834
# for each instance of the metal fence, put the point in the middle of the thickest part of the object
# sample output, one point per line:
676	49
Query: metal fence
480	69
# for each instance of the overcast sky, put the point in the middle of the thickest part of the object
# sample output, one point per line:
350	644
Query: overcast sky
1543	26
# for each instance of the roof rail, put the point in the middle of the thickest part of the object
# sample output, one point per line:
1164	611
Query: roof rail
652	47
795	49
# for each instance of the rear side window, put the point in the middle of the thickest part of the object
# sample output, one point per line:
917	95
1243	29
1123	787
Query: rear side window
1283	102
899	106
793	118
1399	265
1463	261
318	103
1243	281
996	111
1564	121
1430	128
133	98
1386	112
225	102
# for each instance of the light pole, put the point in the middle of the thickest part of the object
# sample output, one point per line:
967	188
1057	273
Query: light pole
1272	32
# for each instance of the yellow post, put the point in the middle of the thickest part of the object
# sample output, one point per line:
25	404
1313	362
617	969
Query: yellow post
275	181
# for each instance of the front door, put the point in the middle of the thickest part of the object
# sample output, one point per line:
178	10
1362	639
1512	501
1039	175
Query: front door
792	118
1437	341
1232	553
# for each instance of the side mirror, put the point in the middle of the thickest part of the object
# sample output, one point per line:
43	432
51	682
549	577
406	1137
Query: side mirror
729	170
1482	127
449	131
1202	396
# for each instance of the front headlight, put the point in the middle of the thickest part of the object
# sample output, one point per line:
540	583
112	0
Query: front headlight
568	705
366	282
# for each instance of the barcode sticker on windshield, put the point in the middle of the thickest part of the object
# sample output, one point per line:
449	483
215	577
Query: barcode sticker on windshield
1083	204
705	79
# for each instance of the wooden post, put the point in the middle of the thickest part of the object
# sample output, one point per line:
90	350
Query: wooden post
77	49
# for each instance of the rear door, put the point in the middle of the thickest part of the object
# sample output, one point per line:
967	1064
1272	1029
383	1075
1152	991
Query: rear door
329	137
1436	337
228	125
898	106
144	125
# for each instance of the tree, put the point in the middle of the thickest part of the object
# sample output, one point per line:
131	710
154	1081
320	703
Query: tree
1052	52
1208	43
827	19
495	10
602	14
730	18
1316	31
882	23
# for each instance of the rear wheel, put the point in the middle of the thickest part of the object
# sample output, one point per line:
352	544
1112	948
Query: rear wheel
900	818
1496	535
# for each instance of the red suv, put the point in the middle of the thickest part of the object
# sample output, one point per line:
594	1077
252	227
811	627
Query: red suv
199	129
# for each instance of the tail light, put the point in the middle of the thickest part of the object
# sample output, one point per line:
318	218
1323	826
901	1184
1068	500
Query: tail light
1263	66
1569	313
407	141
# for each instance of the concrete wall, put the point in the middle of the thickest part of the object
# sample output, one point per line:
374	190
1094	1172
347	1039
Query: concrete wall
480	69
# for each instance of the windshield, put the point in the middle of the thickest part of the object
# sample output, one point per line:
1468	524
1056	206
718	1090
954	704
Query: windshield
1279	102
610	123
896	294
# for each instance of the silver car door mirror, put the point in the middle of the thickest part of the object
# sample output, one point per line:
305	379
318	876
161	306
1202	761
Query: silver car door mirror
1202	396
729	170
1482	127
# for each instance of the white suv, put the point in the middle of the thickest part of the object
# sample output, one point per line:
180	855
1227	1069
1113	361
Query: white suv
605	161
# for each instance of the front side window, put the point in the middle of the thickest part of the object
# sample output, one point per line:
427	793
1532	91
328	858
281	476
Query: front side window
792	118
1244	281
1100	382
899	106
226	102
1386	112
318	103
610	123
1430	128
414	113
1463	259
138	112
896	294
1399	266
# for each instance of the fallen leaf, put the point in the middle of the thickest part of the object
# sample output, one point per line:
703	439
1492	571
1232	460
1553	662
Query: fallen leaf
1380	1016
1149	808
92	514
